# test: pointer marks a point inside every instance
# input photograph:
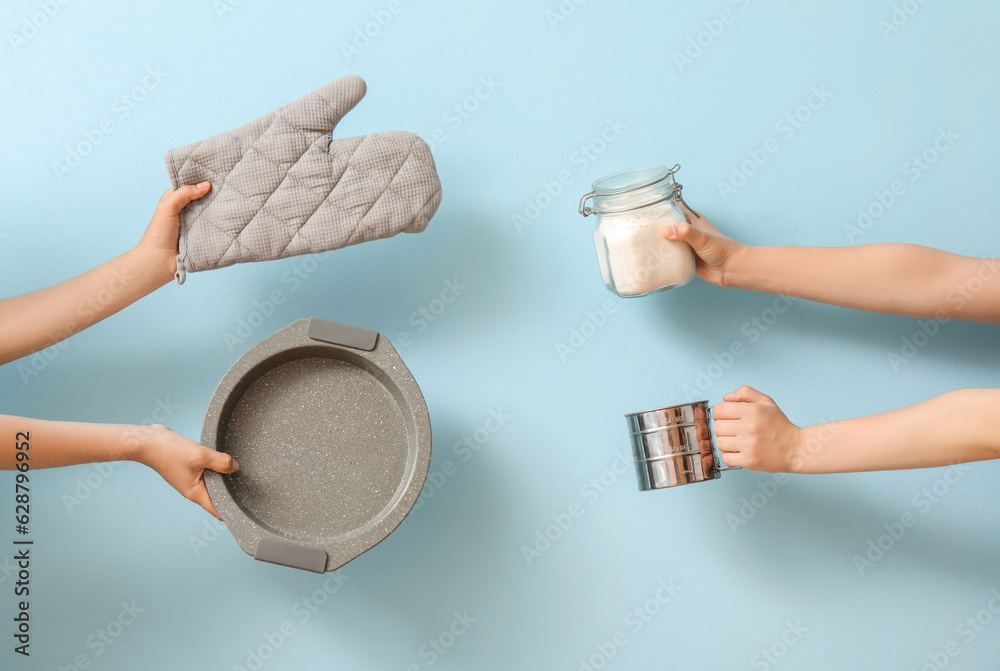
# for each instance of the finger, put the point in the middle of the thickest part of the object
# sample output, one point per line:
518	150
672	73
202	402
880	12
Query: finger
321	110
747	394
727	427
734	459
200	496
726	411
173	201
220	462
727	444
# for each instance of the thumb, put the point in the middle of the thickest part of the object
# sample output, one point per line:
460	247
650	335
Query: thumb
321	110
684	232
173	201
747	394
220	462
200	496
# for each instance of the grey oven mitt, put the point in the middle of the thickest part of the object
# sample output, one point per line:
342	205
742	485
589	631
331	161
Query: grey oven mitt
281	186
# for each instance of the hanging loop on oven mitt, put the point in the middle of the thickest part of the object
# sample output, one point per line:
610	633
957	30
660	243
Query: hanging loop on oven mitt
281	186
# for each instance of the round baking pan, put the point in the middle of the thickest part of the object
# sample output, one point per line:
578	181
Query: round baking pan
333	440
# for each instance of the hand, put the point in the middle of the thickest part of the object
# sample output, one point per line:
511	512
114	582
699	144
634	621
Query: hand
182	463
714	250
160	239
754	433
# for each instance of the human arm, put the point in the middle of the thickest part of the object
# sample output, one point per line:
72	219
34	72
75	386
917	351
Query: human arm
36	320
956	427
900	279
178	460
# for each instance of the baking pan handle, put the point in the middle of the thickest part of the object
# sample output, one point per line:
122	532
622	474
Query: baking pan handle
345	335
277	551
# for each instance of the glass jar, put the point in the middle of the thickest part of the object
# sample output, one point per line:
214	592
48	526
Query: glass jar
631	207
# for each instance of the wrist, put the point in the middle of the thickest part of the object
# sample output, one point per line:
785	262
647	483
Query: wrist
800	452
733	271
816	449
154	266
141	442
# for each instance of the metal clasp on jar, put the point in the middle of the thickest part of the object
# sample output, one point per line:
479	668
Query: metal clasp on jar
679	198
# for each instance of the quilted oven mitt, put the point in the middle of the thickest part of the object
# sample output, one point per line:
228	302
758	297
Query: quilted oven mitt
281	186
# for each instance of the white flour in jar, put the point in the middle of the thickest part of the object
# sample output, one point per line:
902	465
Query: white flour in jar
640	260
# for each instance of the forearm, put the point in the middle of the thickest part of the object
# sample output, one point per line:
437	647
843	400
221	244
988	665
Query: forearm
39	319
957	427
898	279
54	444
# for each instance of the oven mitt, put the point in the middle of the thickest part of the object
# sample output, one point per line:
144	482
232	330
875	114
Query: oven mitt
281	186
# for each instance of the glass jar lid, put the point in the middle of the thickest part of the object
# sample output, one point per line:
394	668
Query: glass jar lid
631	189
628	180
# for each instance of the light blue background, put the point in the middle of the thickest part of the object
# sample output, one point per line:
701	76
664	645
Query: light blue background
496	346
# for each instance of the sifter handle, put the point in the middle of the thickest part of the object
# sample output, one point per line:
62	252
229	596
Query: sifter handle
715	451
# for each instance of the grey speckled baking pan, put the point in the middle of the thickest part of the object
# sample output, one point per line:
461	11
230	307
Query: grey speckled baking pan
333	440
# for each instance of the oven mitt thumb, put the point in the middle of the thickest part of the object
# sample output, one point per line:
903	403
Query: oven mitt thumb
281	186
